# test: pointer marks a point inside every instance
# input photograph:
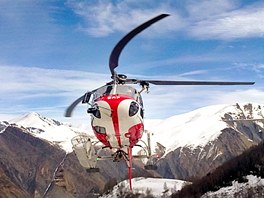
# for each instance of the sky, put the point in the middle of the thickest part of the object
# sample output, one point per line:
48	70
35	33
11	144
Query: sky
53	51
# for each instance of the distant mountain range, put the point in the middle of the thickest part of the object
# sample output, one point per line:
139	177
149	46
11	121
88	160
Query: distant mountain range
196	143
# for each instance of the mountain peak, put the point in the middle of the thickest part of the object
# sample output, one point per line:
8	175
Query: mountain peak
48	129
33	119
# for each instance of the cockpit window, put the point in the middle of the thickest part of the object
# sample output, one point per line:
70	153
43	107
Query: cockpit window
120	89
102	91
126	90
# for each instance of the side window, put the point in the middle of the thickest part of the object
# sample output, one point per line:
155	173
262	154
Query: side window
95	111
133	108
87	97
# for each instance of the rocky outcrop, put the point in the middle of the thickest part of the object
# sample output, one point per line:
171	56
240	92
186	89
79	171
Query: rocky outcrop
10	190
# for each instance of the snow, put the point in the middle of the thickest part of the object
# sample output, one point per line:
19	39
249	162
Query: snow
156	186
3	126
49	129
236	187
196	128
193	129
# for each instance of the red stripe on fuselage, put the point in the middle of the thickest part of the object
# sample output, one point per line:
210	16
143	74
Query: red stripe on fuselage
114	101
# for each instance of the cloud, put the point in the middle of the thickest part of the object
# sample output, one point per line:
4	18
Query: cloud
25	89
204	10
195	72
257	68
246	95
241	23
212	19
101	18
33	79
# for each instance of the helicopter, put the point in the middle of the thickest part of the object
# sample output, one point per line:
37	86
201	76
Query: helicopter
117	113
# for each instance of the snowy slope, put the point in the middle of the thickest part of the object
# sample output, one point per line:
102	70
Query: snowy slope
49	129
198	127
3	126
156	186
192	129
237	188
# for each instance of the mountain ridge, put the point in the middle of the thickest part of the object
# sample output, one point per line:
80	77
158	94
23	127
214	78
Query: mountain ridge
49	129
230	141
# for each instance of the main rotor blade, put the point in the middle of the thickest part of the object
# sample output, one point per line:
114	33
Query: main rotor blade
69	110
113	60
162	82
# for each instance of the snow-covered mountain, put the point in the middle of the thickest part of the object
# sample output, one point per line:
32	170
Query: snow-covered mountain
193	129
51	130
3	126
237	189
201	140
197	128
157	187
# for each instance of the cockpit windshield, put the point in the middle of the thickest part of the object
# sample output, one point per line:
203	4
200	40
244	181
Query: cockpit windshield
120	89
102	91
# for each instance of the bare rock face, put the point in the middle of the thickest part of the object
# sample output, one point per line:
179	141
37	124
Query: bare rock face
240	134
26	160
28	163
9	190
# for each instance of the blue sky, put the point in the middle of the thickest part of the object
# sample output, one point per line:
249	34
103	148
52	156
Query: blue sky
54	51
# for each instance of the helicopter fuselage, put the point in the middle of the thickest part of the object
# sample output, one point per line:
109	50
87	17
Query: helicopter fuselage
117	116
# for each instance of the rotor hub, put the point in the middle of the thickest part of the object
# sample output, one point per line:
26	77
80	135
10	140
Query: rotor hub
121	78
